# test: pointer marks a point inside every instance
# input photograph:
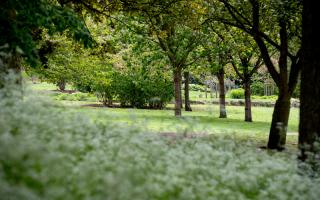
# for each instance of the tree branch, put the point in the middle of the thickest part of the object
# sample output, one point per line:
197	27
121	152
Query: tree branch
234	66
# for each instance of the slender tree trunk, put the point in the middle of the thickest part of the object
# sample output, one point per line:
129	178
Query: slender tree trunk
216	90
206	91
247	97
181	102
62	85
177	91
279	124
110	102
222	96
186	92
309	127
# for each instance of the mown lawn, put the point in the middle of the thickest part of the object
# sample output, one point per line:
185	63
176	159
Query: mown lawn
203	118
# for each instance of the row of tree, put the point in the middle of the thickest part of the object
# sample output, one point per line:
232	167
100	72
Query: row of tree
279	34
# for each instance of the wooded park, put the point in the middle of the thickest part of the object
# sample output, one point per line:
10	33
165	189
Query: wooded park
159	99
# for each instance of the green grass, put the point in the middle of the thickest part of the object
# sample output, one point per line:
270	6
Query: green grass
203	119
45	86
200	96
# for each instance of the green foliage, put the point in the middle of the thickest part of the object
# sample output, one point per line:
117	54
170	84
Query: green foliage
139	89
53	158
237	93
22	21
257	88
196	87
74	97
296	92
271	97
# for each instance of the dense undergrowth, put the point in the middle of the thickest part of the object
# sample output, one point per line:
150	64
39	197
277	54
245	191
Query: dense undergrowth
46	153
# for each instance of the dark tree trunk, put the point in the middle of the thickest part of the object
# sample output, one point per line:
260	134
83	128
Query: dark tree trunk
216	90
279	123
181	102
110	102
309	127
11	63
247	97
186	92
222	96
280	116
61	85
177	91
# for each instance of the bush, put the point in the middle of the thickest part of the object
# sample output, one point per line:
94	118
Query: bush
195	87
49	154
257	88
296	92
271	97
137	90
74	97
237	93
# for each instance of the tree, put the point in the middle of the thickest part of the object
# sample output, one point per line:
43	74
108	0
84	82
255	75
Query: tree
22	22
217	55
277	24
309	128
245	63
175	27
187	106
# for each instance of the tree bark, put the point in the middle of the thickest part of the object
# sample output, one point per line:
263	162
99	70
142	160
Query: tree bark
206	90
110	102
280	116
216	90
181	102
11	63
247	97
177	91
62	85
222	96
186	92
309	127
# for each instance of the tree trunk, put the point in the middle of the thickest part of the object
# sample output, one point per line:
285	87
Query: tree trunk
309	127
11	63
222	96
216	90
247	97
206	90
110	102
62	85
280	116
177	91
181	102
186	92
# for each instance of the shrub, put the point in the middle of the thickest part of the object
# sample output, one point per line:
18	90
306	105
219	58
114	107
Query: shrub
195	87
271	97
257	88
103	88
137	90
237	93
296	92
47	153
74	97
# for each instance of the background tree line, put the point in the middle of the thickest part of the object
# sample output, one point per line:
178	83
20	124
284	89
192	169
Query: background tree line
282	36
